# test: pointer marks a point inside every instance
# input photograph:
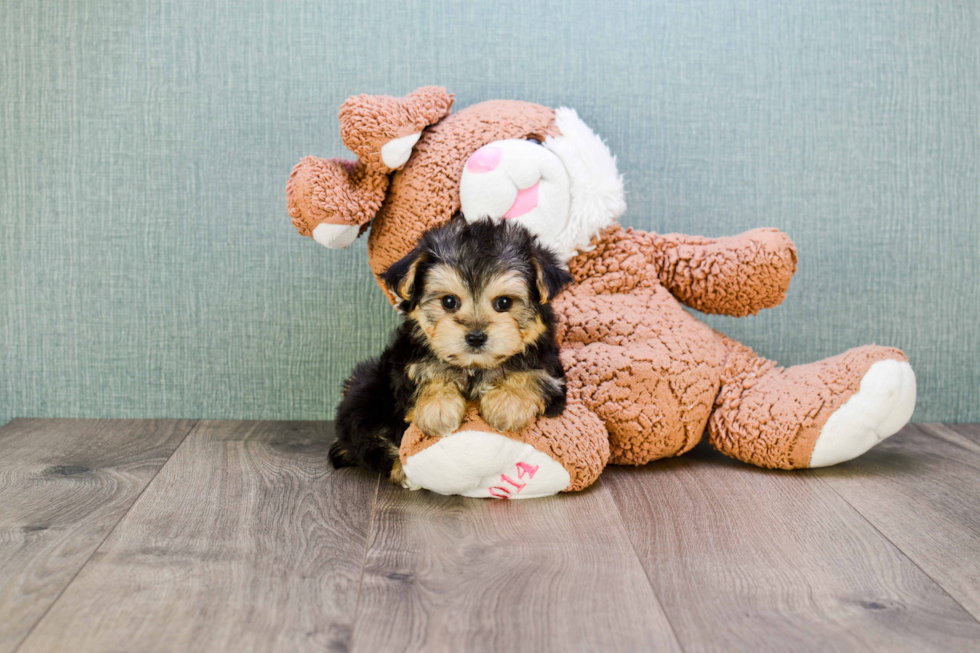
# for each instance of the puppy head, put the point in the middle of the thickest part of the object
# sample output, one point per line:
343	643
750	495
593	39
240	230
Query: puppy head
478	292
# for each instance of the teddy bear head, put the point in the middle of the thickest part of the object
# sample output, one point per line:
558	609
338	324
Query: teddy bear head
418	165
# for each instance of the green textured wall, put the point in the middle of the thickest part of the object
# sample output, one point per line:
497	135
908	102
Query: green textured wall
149	268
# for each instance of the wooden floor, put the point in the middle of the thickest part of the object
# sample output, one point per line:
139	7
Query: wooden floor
238	536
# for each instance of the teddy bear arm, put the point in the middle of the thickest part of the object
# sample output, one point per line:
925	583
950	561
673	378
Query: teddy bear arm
736	275
332	200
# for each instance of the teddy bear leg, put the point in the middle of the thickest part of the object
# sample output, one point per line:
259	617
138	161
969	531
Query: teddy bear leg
811	415
654	402
553	454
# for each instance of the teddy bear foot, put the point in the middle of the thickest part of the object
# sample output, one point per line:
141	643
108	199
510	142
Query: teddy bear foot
552	455
879	409
482	464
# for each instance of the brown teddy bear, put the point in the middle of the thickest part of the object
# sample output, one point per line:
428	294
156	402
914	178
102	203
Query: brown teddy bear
646	379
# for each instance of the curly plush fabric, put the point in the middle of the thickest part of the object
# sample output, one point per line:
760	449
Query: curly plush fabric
737	276
333	192
645	378
652	380
771	416
367	122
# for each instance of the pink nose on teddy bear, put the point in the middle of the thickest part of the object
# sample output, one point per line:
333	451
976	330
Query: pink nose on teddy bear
485	159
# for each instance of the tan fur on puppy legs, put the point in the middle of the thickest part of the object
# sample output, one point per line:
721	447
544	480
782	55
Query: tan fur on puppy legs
514	401
439	409
399	478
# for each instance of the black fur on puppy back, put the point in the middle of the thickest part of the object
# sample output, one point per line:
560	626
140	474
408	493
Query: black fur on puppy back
370	423
478	250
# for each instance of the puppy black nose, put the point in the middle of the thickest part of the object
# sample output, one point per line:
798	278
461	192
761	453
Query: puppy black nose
476	338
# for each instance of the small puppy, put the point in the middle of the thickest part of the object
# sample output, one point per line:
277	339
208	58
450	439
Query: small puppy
478	327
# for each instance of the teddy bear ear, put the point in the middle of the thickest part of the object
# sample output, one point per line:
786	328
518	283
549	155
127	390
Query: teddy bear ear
382	130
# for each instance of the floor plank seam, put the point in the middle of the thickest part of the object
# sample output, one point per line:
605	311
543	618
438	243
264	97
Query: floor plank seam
190	429
897	547
636	556
360	580
935	430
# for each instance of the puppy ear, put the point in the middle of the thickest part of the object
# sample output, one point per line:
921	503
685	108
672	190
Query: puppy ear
551	278
400	277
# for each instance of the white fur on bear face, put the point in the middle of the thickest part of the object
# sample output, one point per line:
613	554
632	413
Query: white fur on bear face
564	191
517	180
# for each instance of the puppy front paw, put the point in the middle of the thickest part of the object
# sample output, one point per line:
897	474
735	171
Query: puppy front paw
506	410
439	413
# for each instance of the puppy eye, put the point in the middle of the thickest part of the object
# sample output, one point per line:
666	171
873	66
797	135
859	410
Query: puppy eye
450	302
534	140
502	304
